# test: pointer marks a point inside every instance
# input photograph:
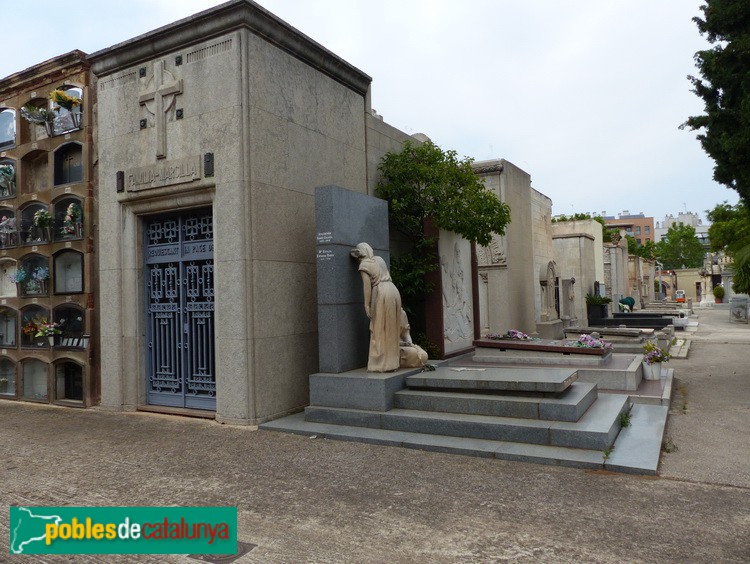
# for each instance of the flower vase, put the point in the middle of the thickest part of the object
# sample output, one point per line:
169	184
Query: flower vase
19	289
47	234
49	127
43	287
3	387
79	230
51	339
76	118
655	371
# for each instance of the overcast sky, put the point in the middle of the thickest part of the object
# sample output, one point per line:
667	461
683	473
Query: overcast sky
584	95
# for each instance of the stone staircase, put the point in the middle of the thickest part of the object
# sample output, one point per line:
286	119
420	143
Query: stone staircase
539	414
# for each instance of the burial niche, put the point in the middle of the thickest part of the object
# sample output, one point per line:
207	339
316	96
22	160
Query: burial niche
68	272
69	381
7	178
8	327
7	377
35	375
7	128
68	164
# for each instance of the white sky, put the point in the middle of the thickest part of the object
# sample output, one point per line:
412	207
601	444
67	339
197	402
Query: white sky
585	95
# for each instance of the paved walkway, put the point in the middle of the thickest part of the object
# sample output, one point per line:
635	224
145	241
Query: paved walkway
304	499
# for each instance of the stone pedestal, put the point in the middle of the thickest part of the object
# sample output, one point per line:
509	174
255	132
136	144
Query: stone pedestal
550	329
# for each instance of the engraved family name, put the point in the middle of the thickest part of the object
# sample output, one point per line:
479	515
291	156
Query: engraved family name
163	174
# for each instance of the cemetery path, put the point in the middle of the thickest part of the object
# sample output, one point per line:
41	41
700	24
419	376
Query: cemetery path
710	409
305	499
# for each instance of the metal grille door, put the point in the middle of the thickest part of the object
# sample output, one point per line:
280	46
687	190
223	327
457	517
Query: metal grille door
180	310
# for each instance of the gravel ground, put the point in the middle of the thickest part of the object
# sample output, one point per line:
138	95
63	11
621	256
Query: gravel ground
315	500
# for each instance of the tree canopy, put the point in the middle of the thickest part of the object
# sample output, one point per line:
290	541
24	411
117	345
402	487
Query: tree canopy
724	86
647	250
679	248
730	232
424	181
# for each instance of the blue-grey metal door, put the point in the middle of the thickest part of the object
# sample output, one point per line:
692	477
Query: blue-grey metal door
180	310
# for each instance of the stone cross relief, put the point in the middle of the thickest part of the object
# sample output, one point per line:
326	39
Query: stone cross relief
158	100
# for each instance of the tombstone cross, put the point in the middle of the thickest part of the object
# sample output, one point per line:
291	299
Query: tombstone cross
163	96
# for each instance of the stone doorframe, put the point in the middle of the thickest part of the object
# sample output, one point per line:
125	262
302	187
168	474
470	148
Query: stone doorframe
121	300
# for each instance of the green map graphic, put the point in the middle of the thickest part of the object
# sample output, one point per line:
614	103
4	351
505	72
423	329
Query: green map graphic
30	528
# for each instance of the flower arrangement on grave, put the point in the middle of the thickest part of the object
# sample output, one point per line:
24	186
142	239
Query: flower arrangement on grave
653	354
511	334
7	175
42	218
45	329
586	341
40	274
63	100
7	223
72	217
30	328
36	114
21	275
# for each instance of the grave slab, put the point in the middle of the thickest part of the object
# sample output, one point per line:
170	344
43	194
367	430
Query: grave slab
554	380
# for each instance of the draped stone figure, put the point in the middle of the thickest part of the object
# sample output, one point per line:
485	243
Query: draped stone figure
383	307
412	355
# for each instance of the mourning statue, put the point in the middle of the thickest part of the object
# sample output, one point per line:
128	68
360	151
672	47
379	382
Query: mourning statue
383	307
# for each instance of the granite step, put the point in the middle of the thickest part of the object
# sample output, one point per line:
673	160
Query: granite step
538	379
596	430
568	406
635	451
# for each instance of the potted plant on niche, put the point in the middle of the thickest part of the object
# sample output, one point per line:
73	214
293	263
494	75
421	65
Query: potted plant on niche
39	277
49	330
40	116
42	221
653	358
30	329
20	278
63	100
596	308
718	294
72	225
7	180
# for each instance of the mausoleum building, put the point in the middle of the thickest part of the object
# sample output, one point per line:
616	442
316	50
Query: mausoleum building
214	132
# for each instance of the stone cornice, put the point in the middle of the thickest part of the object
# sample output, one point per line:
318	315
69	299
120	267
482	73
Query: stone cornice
231	16
51	70
573	236
482	168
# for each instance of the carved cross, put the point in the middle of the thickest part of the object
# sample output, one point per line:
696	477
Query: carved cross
163	96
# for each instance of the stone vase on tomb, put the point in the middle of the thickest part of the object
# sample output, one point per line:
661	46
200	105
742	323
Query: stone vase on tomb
655	371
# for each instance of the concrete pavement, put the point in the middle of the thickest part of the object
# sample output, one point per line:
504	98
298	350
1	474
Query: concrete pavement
314	500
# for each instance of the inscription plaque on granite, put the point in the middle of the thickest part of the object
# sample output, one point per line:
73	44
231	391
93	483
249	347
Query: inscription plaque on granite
163	173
